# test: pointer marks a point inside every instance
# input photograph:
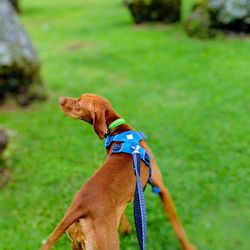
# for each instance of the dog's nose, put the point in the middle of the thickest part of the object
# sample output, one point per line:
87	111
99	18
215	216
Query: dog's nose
62	100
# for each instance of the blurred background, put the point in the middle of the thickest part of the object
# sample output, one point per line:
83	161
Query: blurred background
177	70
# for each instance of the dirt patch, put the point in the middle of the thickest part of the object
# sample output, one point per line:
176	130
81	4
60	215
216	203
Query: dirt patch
149	26
79	45
241	35
10	105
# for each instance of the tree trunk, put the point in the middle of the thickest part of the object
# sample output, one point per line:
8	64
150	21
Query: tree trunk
19	65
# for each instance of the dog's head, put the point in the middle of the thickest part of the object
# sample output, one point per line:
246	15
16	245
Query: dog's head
90	108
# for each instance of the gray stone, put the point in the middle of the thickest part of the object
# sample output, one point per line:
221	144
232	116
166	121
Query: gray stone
19	65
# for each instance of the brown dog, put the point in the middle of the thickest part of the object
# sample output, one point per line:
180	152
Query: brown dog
97	209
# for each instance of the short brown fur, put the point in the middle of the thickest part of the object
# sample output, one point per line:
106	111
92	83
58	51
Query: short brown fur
97	209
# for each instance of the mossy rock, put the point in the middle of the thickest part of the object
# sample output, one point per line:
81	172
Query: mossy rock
198	23
19	65
167	11
210	15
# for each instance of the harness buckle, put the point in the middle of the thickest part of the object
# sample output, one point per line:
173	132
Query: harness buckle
106	134
136	150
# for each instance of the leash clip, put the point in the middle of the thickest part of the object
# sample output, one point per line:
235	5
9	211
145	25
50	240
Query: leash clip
106	134
136	150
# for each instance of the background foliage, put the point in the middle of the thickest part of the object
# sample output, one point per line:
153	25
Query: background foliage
190	97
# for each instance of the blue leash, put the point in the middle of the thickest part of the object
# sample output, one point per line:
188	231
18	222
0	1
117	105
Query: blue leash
139	202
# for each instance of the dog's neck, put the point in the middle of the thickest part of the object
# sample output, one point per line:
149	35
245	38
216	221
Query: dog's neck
111	117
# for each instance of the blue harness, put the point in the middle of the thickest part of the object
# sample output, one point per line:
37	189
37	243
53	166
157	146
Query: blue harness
128	142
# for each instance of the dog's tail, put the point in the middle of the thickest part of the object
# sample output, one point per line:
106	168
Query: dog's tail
70	217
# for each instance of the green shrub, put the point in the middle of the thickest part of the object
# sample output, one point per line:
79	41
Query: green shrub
154	10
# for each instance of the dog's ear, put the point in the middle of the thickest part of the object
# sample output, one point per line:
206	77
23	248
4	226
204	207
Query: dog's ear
99	121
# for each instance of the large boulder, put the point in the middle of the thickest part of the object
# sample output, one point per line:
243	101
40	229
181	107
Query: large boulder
19	65
167	11
208	16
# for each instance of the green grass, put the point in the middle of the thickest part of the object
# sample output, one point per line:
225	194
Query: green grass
190	97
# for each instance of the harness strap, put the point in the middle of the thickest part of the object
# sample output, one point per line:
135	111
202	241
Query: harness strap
139	202
127	136
126	142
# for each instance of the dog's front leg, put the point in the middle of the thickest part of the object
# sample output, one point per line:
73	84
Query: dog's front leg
104	235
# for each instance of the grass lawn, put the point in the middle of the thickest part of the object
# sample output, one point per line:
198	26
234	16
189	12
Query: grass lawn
191	97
